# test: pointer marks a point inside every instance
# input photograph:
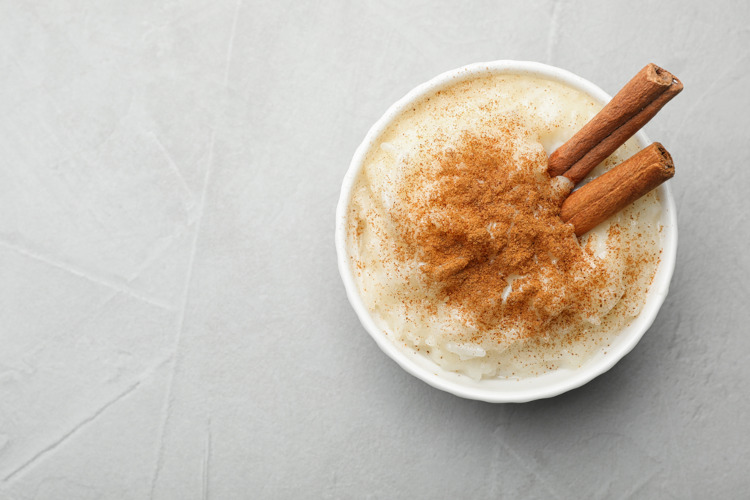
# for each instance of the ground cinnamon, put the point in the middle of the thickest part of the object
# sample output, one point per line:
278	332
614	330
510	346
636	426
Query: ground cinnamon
638	101
484	222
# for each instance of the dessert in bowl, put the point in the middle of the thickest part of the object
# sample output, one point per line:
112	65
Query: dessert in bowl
454	253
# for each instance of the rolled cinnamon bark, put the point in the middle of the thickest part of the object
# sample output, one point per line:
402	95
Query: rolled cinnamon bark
638	101
606	195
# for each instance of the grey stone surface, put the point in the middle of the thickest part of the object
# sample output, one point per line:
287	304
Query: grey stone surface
171	318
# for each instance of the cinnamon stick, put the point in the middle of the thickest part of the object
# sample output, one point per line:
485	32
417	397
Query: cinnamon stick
617	188
633	106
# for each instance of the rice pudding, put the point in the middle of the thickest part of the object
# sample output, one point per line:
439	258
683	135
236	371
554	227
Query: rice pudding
456	244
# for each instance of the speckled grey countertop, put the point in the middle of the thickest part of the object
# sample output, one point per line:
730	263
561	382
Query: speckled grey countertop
171	318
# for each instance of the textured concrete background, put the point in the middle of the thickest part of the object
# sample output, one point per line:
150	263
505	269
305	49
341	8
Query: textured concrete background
171	318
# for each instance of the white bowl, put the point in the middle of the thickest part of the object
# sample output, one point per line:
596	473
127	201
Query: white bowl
499	390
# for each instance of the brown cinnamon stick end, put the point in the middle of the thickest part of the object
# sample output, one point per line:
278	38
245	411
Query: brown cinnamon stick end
557	164
664	77
666	158
611	192
658	75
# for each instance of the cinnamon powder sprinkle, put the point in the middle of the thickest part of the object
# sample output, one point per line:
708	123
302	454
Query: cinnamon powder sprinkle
481	216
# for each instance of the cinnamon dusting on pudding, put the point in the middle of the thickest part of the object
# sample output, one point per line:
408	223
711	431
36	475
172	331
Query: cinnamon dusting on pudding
482	218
